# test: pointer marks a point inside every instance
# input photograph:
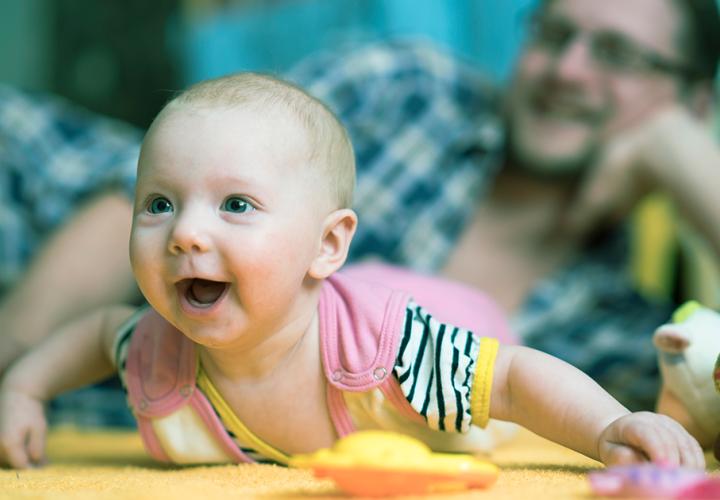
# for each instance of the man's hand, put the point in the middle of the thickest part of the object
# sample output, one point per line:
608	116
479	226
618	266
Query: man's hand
672	152
22	430
646	436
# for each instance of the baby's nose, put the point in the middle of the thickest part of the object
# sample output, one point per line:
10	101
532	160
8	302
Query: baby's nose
188	236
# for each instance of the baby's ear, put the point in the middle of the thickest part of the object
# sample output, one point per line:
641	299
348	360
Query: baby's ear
671	338
338	230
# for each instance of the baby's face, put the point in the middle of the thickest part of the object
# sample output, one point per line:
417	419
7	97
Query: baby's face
227	221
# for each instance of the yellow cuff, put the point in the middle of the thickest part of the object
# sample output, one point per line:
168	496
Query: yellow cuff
482	381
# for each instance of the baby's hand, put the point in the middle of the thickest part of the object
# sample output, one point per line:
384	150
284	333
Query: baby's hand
22	430
646	436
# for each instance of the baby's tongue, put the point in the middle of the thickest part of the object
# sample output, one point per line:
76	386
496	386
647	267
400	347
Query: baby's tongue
205	291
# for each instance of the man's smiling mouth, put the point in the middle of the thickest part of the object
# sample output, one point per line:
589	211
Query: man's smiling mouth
200	292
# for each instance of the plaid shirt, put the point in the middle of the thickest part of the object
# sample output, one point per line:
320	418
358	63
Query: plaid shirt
53	156
428	141
426	138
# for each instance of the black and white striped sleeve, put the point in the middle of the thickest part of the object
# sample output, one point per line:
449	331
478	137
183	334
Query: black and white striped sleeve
435	367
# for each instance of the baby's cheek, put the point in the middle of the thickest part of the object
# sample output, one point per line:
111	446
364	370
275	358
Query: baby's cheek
145	266
139	266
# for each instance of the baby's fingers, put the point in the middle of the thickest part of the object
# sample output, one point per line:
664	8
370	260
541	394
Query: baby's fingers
680	447
647	443
646	436
36	444
13	451
689	450
618	454
692	456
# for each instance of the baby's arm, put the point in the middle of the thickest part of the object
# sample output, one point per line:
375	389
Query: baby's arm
561	403
80	353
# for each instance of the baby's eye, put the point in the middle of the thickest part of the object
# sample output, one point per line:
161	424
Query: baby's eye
159	205
237	205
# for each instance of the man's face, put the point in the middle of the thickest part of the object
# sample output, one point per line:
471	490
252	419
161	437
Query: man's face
591	69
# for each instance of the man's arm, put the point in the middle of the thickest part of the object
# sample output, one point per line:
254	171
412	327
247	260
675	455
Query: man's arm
79	354
83	266
561	403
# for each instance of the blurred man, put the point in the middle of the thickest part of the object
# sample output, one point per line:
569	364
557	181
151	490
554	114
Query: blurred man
605	106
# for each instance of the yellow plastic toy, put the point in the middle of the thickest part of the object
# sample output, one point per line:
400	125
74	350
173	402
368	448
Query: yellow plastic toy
381	463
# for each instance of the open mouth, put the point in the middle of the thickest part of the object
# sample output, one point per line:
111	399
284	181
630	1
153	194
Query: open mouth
200	292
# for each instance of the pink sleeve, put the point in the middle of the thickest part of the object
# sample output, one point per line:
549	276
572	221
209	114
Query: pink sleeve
449	301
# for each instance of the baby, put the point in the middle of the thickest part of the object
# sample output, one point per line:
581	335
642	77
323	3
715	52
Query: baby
254	348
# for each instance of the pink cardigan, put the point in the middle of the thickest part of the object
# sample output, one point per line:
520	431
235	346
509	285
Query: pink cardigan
360	324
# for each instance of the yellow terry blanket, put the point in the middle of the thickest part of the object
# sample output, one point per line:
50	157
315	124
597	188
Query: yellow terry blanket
113	465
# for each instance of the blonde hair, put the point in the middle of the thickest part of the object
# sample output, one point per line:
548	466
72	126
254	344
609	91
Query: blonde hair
330	146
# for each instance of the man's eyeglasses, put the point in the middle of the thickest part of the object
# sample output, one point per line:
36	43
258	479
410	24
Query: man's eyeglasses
610	51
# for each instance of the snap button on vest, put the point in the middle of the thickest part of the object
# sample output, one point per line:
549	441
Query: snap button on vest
337	376
379	373
185	391
143	404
